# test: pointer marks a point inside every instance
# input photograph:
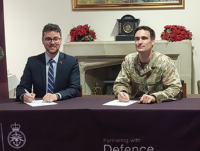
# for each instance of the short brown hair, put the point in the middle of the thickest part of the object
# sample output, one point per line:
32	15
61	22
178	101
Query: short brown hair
151	31
51	27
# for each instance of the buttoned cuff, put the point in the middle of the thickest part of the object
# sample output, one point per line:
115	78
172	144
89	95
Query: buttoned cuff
155	98
60	97
22	97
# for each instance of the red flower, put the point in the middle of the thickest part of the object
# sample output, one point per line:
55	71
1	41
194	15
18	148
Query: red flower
85	26
175	33
72	39
91	32
167	26
180	37
165	35
82	33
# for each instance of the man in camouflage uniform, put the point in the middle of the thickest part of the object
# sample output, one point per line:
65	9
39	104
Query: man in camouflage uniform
147	74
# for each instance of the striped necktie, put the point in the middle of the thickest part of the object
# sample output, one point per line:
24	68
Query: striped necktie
51	77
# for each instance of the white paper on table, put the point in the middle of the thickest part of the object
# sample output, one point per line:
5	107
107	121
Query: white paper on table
118	103
36	103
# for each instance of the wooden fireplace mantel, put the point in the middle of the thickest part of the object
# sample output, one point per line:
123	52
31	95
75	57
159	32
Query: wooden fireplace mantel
93	55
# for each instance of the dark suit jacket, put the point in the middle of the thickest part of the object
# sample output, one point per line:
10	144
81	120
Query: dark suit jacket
67	81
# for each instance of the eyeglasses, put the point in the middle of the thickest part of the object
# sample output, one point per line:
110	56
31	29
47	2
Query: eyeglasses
56	40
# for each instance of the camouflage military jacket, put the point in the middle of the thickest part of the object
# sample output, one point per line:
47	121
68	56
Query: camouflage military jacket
159	77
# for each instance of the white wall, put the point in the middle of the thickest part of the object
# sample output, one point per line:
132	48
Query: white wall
25	19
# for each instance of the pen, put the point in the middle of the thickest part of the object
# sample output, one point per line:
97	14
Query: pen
27	92
123	94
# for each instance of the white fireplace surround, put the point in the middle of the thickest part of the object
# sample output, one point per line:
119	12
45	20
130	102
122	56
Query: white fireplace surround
92	55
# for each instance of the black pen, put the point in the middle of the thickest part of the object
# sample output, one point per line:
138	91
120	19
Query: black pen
124	94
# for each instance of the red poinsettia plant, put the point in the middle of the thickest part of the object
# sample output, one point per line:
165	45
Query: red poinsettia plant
175	33
82	33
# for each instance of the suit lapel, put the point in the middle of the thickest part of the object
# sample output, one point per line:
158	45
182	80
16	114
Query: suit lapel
43	70
60	67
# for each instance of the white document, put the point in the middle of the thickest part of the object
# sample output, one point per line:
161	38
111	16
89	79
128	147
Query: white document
118	103
36	103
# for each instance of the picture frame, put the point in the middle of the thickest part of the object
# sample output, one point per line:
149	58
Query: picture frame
126	4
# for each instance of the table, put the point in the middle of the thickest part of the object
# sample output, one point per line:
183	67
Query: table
84	124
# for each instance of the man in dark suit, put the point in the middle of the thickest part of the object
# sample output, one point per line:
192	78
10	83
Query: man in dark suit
52	75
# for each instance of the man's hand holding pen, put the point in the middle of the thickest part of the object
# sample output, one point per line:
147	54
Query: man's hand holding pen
123	97
28	97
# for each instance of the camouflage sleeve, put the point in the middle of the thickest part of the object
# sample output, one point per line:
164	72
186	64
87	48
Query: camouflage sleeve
123	81
172	84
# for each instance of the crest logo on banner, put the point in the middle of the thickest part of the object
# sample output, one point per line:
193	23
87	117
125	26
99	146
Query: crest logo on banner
16	138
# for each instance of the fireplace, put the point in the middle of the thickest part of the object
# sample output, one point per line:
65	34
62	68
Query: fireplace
99	62
102	77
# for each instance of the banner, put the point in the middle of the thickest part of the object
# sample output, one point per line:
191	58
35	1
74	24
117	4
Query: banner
3	66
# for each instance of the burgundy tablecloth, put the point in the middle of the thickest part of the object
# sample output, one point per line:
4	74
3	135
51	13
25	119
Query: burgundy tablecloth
84	124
